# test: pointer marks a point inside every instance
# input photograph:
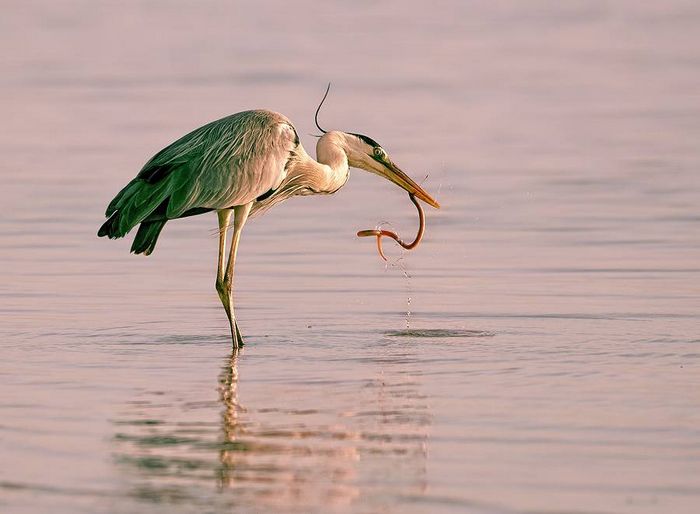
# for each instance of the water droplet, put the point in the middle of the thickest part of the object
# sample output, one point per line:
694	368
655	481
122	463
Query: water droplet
408	313
399	263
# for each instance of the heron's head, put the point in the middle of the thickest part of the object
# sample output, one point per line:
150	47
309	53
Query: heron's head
365	153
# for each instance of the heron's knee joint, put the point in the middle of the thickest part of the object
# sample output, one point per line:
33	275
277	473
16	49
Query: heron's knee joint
223	288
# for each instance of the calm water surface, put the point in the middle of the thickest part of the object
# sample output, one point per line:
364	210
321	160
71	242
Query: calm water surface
550	361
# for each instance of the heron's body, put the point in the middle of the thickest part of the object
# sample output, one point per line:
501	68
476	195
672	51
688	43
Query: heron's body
237	160
237	166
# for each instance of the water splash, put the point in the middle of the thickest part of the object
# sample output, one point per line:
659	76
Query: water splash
400	264
408	313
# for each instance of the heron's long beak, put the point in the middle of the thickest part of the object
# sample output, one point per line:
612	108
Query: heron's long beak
392	172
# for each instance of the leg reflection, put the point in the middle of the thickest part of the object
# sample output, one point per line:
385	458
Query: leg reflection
231	446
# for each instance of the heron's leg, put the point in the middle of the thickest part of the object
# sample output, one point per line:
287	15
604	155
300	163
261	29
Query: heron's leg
224	222
240	215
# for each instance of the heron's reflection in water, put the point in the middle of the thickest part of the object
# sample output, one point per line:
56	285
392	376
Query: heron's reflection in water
363	441
287	461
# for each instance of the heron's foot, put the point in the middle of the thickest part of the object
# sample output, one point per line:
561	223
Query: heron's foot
236	336
223	288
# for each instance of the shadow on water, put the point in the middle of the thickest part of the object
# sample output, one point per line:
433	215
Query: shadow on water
370	443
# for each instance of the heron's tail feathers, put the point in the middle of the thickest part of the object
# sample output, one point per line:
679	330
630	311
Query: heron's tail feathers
132	205
109	227
147	237
123	195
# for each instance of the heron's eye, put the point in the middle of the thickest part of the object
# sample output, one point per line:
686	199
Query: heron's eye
379	152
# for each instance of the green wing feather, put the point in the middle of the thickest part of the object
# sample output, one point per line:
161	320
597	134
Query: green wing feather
212	167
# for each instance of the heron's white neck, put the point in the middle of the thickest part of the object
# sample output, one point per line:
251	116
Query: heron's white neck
330	171
330	150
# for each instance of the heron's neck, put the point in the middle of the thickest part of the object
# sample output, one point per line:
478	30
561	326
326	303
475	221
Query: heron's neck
331	166
332	155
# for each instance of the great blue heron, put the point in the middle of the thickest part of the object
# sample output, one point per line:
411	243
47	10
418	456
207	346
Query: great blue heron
238	166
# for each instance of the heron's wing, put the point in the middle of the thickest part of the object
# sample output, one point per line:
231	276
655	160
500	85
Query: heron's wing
228	162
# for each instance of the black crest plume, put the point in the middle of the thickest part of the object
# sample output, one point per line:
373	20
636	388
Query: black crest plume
318	109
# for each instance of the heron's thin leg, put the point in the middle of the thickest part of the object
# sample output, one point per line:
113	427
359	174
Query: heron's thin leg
224	222
240	215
